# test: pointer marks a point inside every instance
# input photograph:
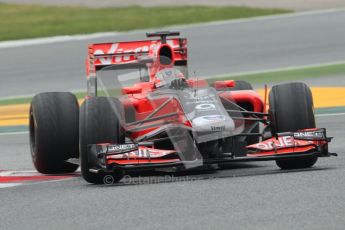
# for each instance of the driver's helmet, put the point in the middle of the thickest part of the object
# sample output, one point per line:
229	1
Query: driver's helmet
165	76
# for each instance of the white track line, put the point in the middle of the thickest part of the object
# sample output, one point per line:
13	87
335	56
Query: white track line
9	185
55	39
26	183
67	38
14	133
20	173
329	114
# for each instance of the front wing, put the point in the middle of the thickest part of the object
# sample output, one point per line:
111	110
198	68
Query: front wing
303	143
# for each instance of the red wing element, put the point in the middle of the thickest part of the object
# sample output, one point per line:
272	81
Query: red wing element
285	143
105	54
110	157
133	154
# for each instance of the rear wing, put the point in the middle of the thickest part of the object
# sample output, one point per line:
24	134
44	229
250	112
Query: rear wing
107	54
134	54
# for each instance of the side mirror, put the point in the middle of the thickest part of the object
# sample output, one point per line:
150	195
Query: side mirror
131	90
224	84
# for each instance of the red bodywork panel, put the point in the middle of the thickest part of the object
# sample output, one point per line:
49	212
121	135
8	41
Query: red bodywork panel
143	106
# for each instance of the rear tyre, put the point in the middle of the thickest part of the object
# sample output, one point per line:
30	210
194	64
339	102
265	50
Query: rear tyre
53	127
99	123
291	109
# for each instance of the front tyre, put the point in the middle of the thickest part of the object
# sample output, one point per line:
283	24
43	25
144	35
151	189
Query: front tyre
99	123
53	128
291	109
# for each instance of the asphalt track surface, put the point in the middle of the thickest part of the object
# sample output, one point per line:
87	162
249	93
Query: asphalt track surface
242	196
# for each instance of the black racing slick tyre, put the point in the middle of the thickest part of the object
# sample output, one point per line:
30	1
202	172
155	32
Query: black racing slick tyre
53	128
291	109
99	123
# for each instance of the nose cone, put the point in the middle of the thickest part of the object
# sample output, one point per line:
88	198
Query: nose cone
213	123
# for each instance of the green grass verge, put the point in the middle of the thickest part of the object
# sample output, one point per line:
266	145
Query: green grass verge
15	101
30	21
288	75
267	77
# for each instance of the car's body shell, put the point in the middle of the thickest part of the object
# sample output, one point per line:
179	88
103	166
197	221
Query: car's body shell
135	98
129	53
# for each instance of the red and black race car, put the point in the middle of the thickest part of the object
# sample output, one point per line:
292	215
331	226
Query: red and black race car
166	119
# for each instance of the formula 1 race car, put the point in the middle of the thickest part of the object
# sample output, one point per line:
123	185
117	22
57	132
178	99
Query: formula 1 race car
165	119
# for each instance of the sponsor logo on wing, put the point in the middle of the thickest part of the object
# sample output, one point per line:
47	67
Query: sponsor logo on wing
309	134
122	148
281	142
117	49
